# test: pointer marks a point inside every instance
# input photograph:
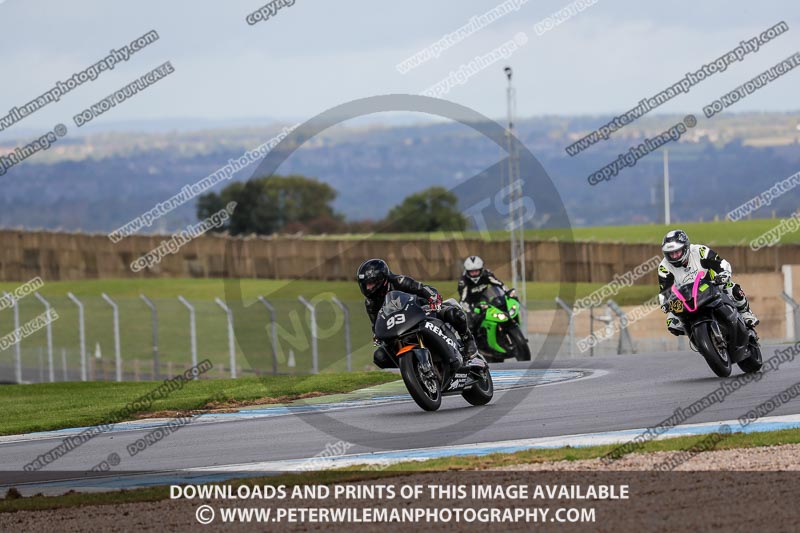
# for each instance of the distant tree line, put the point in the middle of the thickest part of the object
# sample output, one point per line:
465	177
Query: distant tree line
298	204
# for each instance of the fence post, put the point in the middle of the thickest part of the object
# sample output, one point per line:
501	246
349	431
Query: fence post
192	329
64	363
117	352
314	352
17	348
81	333
605	319
154	319
591	328
795	314
41	366
273	334
50	371
231	343
347	344
624	334
570	325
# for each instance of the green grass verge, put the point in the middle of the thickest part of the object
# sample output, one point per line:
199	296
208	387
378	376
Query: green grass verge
712	233
49	406
736	440
253	335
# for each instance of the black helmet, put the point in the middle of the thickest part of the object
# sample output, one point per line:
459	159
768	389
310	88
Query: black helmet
373	277
676	247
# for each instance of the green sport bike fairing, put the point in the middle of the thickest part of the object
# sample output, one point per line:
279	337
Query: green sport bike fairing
499	336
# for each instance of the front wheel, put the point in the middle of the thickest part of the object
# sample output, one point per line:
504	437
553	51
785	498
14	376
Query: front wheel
481	392
715	355
426	390
753	362
518	344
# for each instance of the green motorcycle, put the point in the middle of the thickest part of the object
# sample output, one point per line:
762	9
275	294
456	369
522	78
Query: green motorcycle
499	336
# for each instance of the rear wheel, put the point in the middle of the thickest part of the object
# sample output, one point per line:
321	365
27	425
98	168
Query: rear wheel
752	363
716	355
425	389
481	392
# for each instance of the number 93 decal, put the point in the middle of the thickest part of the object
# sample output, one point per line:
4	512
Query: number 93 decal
395	319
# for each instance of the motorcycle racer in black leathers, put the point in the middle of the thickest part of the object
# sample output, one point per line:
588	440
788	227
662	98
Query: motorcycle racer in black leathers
375	280
473	282
682	260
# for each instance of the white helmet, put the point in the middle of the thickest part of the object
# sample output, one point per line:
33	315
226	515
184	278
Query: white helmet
473	267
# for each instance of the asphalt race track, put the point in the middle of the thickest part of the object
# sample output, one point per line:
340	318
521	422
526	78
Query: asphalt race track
596	395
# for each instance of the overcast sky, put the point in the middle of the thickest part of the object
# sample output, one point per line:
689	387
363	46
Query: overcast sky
320	53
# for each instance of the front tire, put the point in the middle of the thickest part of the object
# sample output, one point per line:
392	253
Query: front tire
425	398
481	392
752	363
717	358
518	344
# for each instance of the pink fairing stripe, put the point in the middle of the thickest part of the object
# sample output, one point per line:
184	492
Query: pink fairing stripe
676	292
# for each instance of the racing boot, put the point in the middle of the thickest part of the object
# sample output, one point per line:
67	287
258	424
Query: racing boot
749	317
675	326
474	359
739	298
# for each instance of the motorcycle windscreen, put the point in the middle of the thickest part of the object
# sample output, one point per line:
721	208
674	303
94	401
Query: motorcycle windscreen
396	301
706	292
399	314
495	296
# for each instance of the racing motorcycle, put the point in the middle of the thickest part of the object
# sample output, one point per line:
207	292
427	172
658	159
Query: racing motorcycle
499	336
422	345
715	327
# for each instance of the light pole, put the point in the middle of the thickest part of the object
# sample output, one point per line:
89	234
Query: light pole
516	221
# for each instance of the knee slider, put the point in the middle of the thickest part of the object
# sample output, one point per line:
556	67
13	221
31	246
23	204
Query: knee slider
738	293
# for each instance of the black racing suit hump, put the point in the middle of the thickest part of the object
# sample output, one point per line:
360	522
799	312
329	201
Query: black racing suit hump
398	282
470	291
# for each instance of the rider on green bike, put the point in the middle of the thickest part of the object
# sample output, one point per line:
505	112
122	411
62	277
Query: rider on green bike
473	282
